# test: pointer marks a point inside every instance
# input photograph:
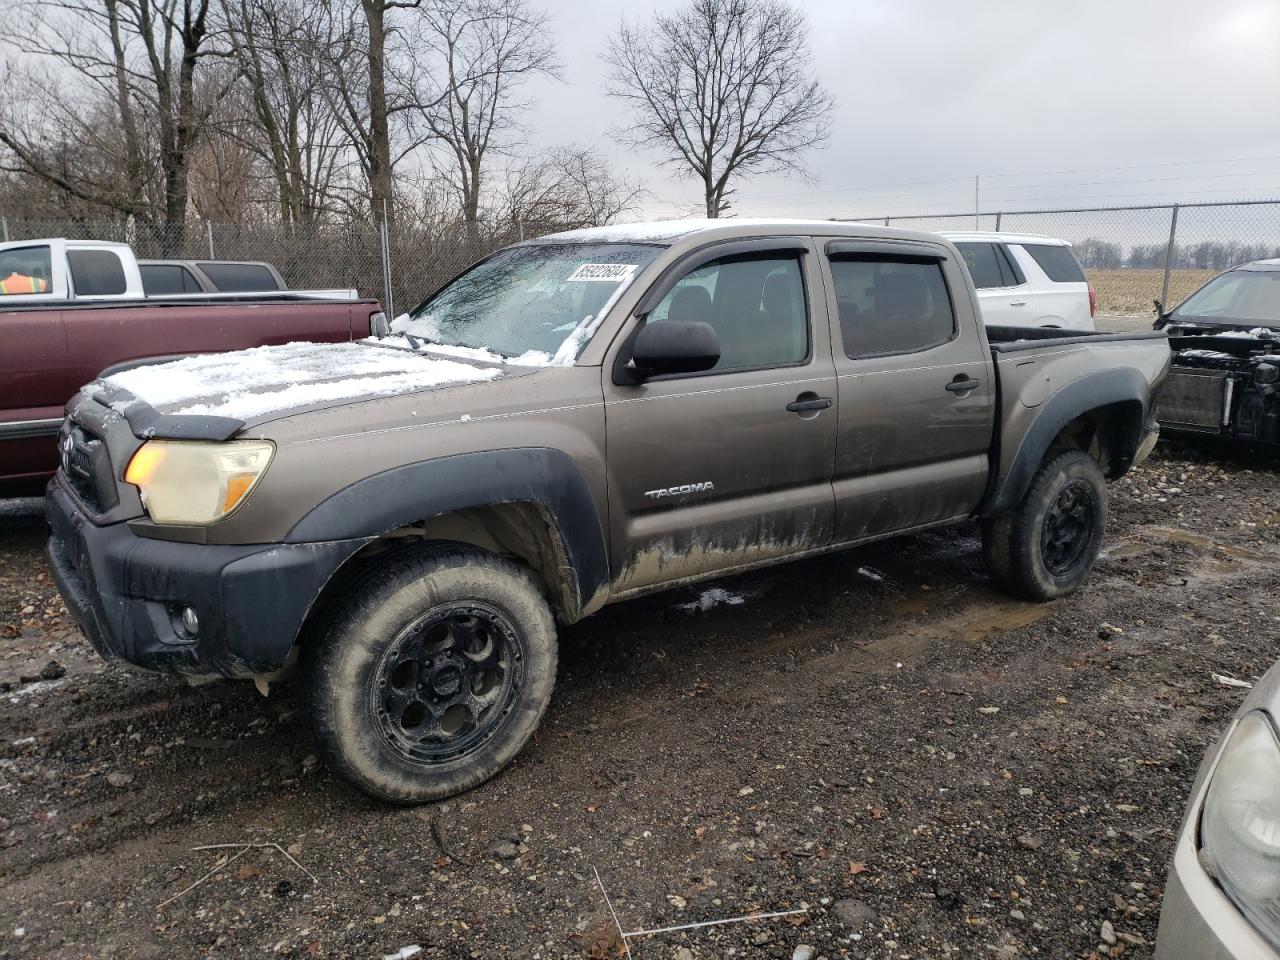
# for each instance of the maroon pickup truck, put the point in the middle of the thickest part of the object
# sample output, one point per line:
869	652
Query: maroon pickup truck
59	330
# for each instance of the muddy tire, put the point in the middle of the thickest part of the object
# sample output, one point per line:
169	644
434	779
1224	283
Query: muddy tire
1047	545
431	673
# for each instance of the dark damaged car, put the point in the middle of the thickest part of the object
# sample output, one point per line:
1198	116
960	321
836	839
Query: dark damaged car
577	420
1225	338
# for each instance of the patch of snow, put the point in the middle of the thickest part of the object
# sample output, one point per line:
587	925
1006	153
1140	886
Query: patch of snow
1254	334
871	574
712	598
1204	355
263	380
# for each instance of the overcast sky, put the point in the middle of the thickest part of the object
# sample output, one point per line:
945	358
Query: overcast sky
1048	102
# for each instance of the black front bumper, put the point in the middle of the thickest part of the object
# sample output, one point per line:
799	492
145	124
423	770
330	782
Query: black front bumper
126	592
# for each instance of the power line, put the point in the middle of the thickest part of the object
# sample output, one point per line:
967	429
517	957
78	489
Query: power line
1041	173
1083	200
965	192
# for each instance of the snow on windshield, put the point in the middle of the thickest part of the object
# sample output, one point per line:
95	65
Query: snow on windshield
531	305
262	380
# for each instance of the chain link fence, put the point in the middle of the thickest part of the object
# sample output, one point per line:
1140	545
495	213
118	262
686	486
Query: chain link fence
1134	255
417	259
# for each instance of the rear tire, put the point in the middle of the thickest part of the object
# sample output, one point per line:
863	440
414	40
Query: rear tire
432	673
1047	545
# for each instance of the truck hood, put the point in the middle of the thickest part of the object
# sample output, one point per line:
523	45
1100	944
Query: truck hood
264	383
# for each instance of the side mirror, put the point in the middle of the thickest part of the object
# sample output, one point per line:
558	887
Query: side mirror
675	346
1161	316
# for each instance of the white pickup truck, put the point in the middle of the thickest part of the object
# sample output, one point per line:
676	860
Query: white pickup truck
71	270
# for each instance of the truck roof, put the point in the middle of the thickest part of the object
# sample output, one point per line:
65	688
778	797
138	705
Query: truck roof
1002	236
667	232
1260	266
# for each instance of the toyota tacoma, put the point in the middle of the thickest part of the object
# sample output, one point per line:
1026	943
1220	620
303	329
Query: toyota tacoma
574	421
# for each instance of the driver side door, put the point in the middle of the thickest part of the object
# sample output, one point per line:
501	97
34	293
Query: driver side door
727	467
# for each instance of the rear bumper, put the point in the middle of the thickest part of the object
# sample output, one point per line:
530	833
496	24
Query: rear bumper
126	592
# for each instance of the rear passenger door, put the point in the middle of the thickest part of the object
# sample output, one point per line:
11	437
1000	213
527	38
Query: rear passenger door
915	388
1004	292
726	467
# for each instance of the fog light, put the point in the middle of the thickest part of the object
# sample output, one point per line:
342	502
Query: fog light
190	622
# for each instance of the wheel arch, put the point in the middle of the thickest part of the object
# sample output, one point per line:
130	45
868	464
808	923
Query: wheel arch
1102	414
530	503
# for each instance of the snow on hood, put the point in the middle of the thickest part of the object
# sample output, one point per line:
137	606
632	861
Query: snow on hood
270	380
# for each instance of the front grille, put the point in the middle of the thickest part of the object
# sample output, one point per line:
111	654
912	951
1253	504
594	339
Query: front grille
1194	399
87	466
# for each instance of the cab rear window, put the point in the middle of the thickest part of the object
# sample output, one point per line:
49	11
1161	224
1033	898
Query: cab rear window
25	270
1058	263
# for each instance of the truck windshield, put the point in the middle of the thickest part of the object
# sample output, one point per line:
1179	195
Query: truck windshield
1250	296
529	300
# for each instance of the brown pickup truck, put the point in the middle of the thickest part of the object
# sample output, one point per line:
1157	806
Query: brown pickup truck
574	421
80	310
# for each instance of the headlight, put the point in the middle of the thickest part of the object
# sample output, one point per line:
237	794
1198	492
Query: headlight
196	483
1240	826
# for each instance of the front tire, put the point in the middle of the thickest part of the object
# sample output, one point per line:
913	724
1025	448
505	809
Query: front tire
432	673
1047	545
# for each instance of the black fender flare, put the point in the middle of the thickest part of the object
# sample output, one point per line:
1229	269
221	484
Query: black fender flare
418	491
1101	389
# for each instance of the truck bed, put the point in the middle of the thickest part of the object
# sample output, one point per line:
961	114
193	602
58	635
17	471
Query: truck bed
1012	339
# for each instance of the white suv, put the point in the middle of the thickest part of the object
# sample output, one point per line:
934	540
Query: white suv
1027	281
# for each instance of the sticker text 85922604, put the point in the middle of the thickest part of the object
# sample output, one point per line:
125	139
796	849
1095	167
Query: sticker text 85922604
603	272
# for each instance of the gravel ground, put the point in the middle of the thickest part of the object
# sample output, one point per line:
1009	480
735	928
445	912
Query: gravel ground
927	768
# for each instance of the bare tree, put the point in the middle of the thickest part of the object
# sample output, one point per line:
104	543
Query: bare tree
283	53
373	88
118	96
486	49
570	187
723	88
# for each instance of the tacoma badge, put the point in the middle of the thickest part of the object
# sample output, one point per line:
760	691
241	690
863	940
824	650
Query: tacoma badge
706	486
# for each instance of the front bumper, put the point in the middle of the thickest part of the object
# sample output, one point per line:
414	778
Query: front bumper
1219	401
126	591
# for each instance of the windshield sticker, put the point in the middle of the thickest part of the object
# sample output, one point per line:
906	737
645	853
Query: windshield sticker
606	272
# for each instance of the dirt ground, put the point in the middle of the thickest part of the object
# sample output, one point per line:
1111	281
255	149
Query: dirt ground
877	737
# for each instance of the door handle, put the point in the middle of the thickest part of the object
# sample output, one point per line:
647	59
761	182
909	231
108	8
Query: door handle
1017	303
808	403
963	384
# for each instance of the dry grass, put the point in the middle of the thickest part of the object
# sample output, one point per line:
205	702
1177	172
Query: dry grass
1130	292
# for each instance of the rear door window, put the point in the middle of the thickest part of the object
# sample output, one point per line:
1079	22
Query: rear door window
1058	263
25	270
96	273
159	279
239	277
891	305
983	261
